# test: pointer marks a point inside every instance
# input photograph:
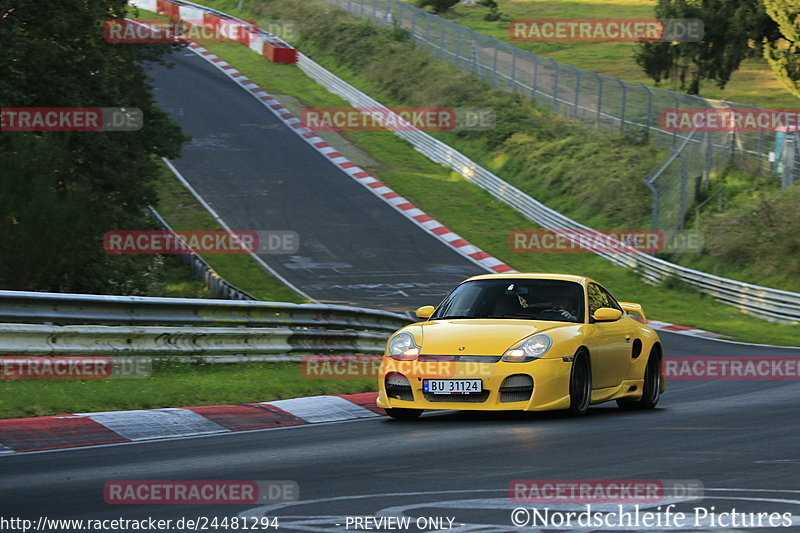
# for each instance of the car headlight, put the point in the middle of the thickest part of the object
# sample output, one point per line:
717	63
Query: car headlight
403	348
529	349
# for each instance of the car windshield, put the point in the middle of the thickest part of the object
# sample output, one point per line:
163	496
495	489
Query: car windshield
531	299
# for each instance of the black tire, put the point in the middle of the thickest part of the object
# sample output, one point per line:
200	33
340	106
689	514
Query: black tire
651	390
404	414
580	385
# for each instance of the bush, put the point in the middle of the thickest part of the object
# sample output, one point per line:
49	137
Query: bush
437	6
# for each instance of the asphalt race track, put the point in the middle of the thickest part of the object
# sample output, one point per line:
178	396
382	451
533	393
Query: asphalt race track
739	438
259	175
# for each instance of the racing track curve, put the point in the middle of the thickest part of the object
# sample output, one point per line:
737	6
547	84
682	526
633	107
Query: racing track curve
257	174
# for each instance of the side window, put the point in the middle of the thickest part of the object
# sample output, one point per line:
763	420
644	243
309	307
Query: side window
610	300
596	297
599	297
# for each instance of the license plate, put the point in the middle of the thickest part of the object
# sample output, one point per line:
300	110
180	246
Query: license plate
452	386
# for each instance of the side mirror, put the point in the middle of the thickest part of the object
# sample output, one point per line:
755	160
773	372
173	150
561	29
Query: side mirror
425	311
607	314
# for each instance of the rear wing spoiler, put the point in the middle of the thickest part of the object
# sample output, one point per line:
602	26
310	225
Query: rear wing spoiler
630	307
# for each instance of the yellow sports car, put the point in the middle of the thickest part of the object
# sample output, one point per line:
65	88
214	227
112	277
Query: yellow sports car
530	342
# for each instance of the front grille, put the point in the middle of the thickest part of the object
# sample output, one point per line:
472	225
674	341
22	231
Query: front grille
462	358
398	387
516	388
450	398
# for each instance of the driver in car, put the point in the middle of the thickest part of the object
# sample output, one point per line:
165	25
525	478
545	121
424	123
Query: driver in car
563	306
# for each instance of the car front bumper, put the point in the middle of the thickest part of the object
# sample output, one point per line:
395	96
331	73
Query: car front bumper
504	385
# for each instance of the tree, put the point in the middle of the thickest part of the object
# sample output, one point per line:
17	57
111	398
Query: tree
61	191
438	6
731	27
783	54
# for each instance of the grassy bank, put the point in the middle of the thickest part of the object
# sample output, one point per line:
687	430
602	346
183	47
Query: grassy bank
171	385
754	83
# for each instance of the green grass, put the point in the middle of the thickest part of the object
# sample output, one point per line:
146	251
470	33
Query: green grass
178	281
171	385
754	82
486	222
181	211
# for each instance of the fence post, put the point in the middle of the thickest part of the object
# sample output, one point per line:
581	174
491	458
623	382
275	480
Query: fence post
708	154
649	123
675	133
442	51
513	68
683	190
459	34
623	105
494	68
535	76
577	90
476	55
599	97
555	85
653	204
413	23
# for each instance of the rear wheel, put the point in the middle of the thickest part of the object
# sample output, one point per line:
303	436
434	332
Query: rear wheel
404	414
580	385
651	390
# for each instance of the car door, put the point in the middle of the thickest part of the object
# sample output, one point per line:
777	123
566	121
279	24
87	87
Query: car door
608	342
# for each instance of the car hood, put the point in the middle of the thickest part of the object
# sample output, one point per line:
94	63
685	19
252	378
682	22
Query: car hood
478	336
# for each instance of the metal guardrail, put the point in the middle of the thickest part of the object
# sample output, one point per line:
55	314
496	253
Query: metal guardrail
69	309
771	304
36	339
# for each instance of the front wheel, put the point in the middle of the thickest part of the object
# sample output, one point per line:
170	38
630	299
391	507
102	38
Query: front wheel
404	414
651	390
580	385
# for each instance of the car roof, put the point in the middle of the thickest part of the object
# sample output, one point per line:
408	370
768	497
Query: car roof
534	275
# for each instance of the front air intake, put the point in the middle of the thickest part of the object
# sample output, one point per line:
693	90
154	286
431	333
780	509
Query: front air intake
398	387
516	388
